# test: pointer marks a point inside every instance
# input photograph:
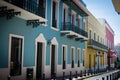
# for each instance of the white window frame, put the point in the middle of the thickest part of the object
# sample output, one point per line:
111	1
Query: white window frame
54	42
73	13
95	35
45	12
101	40
98	39
10	39
42	40
66	8
79	17
78	55
57	14
83	56
45	7
64	54
90	34
84	22
108	44
73	55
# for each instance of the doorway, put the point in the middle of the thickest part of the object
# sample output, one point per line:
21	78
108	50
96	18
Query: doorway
16	49
39	62
53	51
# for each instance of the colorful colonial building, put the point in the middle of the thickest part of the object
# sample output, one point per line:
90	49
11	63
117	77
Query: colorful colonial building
109	40
42	38
95	47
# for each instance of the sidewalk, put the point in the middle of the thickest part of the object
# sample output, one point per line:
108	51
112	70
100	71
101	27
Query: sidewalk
108	75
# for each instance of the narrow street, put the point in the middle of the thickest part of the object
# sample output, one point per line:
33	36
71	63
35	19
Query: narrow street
59	39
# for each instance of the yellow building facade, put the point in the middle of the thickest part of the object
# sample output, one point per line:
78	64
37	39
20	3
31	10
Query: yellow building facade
95	58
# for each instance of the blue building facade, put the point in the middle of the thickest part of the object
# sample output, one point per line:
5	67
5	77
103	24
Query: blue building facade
41	38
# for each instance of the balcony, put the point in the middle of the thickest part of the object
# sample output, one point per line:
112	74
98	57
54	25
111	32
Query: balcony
94	44
29	9
76	6
73	31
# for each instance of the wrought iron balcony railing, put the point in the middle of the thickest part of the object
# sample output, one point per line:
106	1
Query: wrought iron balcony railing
29	5
67	26
97	44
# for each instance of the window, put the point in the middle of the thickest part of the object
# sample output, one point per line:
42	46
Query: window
79	22
95	36
79	19
90	34
73	18
89	61
54	13
54	54
98	38
65	11
39	63
64	53
72	57
78	57
40	43
64	16
94	60
83	56
107	43
42	7
101	39
16	51
110	44
84	24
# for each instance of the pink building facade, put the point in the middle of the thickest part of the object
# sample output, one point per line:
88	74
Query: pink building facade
110	44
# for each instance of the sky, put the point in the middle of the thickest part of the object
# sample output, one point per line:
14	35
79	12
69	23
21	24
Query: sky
105	9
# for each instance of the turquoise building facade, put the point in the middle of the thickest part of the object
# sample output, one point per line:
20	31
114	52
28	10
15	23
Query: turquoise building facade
42	38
